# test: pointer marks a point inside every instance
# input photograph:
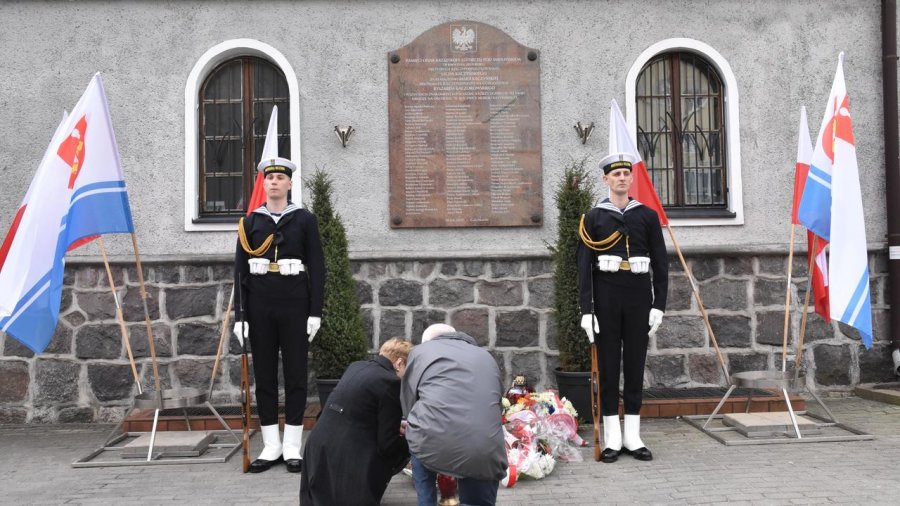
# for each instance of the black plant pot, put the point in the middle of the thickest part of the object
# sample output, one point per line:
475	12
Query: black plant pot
576	386
325	386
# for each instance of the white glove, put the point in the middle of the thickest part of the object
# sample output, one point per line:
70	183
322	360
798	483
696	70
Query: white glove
608	263
655	319
240	333
589	329
289	266
258	265
313	323
639	265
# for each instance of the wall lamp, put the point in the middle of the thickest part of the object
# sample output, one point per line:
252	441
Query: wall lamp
343	134
584	132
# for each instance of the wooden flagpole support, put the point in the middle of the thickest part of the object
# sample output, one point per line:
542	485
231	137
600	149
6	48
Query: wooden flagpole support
120	317
694	289
150	340
225	321
809	288
787	302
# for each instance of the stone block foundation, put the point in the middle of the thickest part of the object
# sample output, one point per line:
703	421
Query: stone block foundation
507	305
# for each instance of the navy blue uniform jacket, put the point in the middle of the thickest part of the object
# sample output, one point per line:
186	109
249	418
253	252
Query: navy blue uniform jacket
645	239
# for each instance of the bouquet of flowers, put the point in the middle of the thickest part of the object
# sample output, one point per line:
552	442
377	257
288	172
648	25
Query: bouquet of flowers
540	428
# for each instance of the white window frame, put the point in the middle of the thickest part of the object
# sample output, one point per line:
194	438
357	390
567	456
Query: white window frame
732	120
207	63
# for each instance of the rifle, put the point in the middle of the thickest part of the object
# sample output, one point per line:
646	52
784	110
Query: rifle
595	379
595	400
245	382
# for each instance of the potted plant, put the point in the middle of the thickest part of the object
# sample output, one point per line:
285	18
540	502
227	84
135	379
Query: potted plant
342	339
575	194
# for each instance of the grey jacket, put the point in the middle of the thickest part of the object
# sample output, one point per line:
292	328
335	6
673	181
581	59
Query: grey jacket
451	399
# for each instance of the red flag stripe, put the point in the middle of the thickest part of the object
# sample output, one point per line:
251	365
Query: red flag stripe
800	174
7	243
642	189
258	197
81	242
820	276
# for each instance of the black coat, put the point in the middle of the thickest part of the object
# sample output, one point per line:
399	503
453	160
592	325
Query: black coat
356	444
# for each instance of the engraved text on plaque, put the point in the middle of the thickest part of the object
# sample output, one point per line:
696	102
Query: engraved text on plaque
465	130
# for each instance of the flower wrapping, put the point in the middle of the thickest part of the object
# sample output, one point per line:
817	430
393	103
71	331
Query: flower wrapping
540	428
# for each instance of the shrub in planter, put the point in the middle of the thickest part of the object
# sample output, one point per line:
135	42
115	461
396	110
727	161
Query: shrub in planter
342	338
574	196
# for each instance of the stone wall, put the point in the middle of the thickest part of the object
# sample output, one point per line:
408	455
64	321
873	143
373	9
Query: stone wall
506	305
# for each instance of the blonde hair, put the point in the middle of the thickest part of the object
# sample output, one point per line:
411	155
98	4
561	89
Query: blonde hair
395	348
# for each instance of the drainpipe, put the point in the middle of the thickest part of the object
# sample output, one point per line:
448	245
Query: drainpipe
891	165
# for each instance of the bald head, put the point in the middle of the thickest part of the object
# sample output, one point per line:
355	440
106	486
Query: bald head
435	330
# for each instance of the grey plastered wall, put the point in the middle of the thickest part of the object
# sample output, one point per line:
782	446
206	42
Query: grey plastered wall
783	55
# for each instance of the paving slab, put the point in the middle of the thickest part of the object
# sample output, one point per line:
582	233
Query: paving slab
768	424
689	467
169	444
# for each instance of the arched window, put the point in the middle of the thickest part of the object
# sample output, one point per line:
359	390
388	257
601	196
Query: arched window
682	100
236	100
681	131
228	98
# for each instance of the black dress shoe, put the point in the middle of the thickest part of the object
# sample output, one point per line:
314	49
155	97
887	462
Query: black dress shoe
641	453
260	465
609	455
294	465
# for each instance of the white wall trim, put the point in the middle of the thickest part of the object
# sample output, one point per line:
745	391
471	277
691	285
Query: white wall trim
732	120
206	64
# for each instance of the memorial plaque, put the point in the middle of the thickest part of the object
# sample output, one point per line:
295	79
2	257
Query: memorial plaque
464	109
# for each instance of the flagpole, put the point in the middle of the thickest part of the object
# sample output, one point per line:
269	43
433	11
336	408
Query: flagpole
140	273
120	317
709	329
225	322
787	301
137	256
809	288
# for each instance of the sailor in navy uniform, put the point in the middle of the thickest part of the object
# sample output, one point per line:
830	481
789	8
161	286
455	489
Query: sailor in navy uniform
621	300
282	269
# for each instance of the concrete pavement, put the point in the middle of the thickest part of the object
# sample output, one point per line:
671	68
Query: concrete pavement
689	468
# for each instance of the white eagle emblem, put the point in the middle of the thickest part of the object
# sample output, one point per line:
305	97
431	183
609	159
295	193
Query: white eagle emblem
463	38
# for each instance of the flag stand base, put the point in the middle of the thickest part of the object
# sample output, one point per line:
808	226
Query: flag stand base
218	450
818	428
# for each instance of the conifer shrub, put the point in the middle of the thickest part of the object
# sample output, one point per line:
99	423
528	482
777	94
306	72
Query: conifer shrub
574	196
342	339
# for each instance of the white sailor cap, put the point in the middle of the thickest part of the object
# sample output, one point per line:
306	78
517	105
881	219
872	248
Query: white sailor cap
616	161
276	165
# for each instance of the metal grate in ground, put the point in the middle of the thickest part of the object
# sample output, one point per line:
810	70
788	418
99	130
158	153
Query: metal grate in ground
703	392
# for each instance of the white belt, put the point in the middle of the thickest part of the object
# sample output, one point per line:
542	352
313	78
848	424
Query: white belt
624	266
273	268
